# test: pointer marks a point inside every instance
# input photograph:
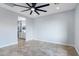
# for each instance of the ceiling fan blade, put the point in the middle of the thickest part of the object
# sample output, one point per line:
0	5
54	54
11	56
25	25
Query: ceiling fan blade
25	10
33	4
42	6
19	5
41	10
28	4
37	12
31	12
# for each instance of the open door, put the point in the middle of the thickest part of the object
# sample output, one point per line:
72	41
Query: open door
21	32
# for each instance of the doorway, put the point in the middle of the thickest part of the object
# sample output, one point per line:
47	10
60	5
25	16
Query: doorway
21	32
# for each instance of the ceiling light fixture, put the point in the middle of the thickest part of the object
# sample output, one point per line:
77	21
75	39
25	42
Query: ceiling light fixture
32	9
57	8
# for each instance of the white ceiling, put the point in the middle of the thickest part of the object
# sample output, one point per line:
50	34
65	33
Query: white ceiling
51	9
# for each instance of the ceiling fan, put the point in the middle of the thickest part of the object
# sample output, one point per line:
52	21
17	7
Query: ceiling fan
32	7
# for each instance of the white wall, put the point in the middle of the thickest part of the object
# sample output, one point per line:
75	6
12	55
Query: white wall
8	27
29	29
77	29
56	28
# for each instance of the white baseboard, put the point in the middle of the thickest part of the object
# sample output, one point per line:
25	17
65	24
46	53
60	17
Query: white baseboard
39	40
61	43
8	44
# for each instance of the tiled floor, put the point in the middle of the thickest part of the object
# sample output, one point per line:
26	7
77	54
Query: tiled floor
38	48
